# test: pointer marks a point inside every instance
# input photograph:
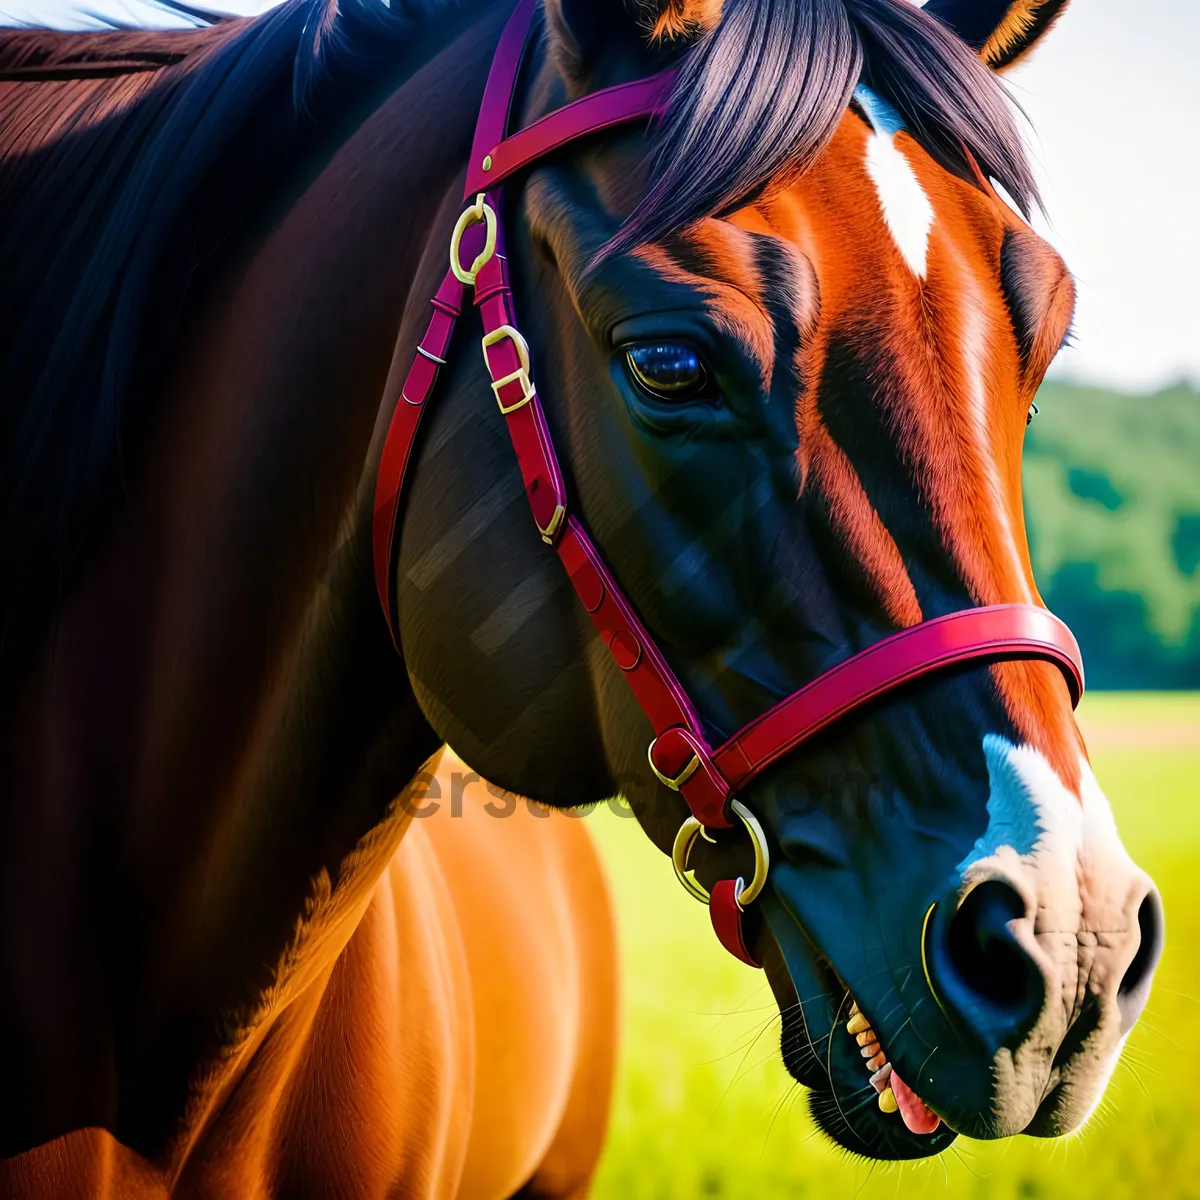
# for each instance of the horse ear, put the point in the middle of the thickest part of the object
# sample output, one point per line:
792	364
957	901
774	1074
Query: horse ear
580	29
677	20
1001	30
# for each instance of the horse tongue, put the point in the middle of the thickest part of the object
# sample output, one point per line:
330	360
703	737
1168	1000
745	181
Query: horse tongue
918	1117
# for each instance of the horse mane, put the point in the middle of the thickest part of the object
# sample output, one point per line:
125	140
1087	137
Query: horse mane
27	55
757	100
127	157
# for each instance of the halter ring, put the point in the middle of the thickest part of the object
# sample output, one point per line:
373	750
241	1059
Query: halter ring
686	838
479	211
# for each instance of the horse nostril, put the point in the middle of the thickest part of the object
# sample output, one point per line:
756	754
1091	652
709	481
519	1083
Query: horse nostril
1135	984
985	960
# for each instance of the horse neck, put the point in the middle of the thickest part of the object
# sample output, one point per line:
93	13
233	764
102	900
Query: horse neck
219	719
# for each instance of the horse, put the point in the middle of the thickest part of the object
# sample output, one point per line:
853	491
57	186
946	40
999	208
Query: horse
787	341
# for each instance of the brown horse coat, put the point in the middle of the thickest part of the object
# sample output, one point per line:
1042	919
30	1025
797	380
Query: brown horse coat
442	1024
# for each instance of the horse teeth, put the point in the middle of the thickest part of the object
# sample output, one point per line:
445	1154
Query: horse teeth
876	1060
857	1023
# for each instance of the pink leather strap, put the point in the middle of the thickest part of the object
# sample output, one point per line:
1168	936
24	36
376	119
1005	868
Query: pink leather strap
609	107
402	433
1002	631
507	362
659	693
623	104
726	918
500	89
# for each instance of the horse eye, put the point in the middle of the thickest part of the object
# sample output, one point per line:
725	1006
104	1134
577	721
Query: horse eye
667	370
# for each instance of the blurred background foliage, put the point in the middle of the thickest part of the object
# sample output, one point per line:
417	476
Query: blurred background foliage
1112	504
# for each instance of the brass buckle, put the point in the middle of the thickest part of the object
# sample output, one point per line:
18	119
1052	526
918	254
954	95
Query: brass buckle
555	521
680	779
522	372
479	211
686	838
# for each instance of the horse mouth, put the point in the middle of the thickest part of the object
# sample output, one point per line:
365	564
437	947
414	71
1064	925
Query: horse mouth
894	1094
856	1092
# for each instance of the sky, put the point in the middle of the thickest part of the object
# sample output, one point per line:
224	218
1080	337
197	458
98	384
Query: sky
1113	99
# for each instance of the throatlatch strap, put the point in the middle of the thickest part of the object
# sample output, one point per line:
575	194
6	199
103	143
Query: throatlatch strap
406	420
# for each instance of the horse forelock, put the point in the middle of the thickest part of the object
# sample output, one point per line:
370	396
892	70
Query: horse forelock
758	99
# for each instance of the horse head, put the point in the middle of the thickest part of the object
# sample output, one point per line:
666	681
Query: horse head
788	360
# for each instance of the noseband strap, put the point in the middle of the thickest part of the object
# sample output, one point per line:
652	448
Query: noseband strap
1000	632
680	755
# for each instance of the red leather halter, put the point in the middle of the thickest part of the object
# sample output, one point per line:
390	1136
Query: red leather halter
680	754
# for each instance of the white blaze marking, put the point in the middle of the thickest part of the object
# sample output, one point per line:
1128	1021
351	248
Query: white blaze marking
1080	867
906	208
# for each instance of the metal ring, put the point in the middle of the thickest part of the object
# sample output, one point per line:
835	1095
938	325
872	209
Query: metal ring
686	838
479	211
681	852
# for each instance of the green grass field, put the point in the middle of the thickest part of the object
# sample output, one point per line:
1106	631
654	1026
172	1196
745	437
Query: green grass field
704	1108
